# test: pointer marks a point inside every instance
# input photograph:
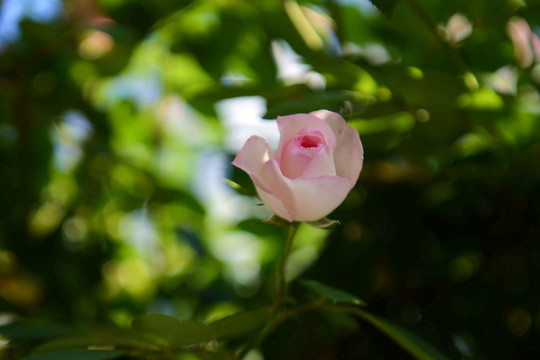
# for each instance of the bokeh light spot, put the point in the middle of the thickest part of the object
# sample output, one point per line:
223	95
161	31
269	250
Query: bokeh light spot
518	321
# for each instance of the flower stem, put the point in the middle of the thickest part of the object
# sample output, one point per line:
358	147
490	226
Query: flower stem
282	281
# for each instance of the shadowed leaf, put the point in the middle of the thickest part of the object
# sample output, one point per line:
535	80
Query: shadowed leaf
387	7
79	355
174	332
416	346
240	324
336	295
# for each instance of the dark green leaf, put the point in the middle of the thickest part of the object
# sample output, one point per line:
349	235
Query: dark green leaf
178	333
172	331
190	332
160	326
387	7
336	295
120	339
240	324
416	346
20	331
304	101
72	354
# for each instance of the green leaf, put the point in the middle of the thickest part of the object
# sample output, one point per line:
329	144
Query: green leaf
387	7
239	188
324	223
174	332
240	324
416	346
304	100
190	332
157	325
24	331
118	339
336	295
78	354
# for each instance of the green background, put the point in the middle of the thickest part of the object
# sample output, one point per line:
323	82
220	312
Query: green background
113	146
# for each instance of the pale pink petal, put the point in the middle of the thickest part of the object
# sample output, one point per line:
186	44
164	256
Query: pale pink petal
321	164
295	159
349	153
275	205
252	157
306	199
317	197
291	124
304	148
336	121
280	187
322	156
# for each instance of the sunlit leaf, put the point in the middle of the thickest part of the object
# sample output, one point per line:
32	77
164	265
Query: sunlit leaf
336	295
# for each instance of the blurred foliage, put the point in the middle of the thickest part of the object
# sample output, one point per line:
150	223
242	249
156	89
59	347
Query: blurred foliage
115	135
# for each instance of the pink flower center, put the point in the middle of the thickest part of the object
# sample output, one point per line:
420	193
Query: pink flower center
311	141
299	151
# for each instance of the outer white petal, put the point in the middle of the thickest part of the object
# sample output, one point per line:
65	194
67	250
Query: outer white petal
349	153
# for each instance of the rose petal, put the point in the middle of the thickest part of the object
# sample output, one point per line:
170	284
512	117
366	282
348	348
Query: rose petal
300	160
279	187
306	199
317	197
291	124
349	153
318	190
251	159
336	121
275	205
321	164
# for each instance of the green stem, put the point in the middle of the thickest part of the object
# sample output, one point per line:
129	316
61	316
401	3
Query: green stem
282	281
280	294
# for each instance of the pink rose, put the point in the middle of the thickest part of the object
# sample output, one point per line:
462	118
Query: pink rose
317	163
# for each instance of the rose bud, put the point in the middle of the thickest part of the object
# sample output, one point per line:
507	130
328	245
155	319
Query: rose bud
317	163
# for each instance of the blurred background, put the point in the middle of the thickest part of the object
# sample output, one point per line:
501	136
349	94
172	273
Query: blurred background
119	120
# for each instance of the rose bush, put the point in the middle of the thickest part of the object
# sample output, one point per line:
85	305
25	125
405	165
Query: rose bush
317	163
